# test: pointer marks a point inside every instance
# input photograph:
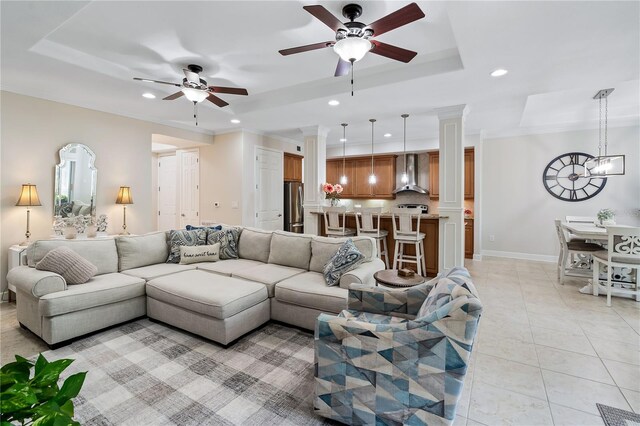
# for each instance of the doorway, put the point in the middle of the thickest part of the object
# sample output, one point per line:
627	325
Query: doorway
269	181
178	189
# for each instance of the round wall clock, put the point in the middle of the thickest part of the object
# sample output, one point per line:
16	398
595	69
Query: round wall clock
563	178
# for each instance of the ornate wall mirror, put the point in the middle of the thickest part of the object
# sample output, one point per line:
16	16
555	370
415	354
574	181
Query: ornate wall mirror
75	182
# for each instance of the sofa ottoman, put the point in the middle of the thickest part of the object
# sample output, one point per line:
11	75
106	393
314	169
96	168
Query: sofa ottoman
214	306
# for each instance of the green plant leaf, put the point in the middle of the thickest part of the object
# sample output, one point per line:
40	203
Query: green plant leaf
50	373
17	397
67	408
5	423
18	370
70	388
41	362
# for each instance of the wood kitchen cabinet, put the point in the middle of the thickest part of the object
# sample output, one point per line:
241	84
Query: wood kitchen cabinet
434	174
358	169
468	238
292	167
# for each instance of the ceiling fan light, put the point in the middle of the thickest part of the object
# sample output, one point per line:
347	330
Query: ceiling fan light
352	49
195	95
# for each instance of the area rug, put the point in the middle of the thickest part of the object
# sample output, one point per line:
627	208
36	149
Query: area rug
144	373
616	417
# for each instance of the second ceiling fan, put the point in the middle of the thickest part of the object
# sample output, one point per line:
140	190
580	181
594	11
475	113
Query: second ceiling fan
354	39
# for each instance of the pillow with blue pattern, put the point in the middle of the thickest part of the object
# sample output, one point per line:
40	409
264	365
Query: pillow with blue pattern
208	228
182	237
346	258
228	239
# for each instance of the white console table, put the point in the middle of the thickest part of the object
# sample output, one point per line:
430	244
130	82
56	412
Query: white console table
17	257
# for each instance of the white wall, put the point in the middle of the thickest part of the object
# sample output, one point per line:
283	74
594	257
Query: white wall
33	131
517	209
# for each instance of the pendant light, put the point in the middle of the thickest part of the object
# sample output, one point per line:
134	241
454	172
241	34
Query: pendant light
405	177
343	179
604	165
372	176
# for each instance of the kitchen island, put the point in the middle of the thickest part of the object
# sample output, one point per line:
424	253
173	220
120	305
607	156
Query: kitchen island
429	225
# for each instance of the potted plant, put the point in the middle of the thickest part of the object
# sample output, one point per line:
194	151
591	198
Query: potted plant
36	399
332	192
606	217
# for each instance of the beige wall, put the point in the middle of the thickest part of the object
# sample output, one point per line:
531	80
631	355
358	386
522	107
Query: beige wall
33	131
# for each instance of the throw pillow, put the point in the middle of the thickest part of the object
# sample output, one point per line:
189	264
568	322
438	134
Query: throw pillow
193	254
213	228
74	268
444	292
178	238
228	239
346	258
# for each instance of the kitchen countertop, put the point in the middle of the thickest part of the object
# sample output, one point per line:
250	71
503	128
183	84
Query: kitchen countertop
388	215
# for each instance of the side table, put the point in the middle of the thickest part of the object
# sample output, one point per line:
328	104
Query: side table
390	278
17	257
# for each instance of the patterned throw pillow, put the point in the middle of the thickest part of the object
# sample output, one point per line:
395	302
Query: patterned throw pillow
346	258
194	254
228	239
444	292
208	228
74	268
178	238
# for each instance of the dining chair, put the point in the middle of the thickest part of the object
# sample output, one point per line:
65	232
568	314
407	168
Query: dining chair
579	219
623	251
404	233
368	225
335	222
569	248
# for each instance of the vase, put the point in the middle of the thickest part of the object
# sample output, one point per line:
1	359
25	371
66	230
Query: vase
92	231
70	232
335	202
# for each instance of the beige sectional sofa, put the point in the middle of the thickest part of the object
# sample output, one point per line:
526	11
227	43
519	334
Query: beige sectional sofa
278	275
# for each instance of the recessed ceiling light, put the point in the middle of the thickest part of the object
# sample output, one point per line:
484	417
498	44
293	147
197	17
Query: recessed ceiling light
334	102
499	72
387	135
235	121
343	140
149	95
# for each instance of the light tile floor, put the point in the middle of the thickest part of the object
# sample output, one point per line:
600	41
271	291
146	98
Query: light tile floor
544	355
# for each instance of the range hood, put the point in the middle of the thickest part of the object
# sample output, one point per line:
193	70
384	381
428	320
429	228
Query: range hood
412	173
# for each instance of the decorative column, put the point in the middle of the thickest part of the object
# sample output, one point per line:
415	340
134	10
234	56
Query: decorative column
315	173
451	244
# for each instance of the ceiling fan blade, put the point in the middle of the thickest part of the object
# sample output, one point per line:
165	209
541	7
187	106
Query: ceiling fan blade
325	16
216	100
342	68
174	96
230	90
148	80
400	17
191	76
393	52
306	48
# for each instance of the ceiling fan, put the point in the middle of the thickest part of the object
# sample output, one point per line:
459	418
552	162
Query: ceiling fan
354	39
196	90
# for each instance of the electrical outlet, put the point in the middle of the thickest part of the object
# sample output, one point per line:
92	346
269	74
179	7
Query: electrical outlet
216	204
492	237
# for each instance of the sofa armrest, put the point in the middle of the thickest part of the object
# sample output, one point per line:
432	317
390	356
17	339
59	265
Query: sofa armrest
35	282
377	300
363	274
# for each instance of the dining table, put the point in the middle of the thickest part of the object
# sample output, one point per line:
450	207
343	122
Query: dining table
598	234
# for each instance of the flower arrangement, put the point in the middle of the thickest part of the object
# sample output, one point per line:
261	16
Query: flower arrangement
332	192
605	217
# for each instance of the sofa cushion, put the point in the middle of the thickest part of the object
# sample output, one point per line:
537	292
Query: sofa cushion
154	271
268	274
135	251
99	290
70	265
323	249
196	254
216	296
227	267
309	290
181	237
101	252
346	258
255	244
228	240
290	249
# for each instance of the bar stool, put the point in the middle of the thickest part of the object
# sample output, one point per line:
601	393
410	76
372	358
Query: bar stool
335	227
365	227
404	233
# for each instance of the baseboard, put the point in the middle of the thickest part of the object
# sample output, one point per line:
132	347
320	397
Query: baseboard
522	256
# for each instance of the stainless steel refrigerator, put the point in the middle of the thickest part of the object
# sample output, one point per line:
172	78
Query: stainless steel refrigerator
293	212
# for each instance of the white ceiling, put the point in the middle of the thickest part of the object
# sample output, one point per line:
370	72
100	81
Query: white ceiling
558	55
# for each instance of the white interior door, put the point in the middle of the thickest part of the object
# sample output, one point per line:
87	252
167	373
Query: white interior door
189	191
269	189
167	195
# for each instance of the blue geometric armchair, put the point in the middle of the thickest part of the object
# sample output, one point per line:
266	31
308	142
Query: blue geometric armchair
397	356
